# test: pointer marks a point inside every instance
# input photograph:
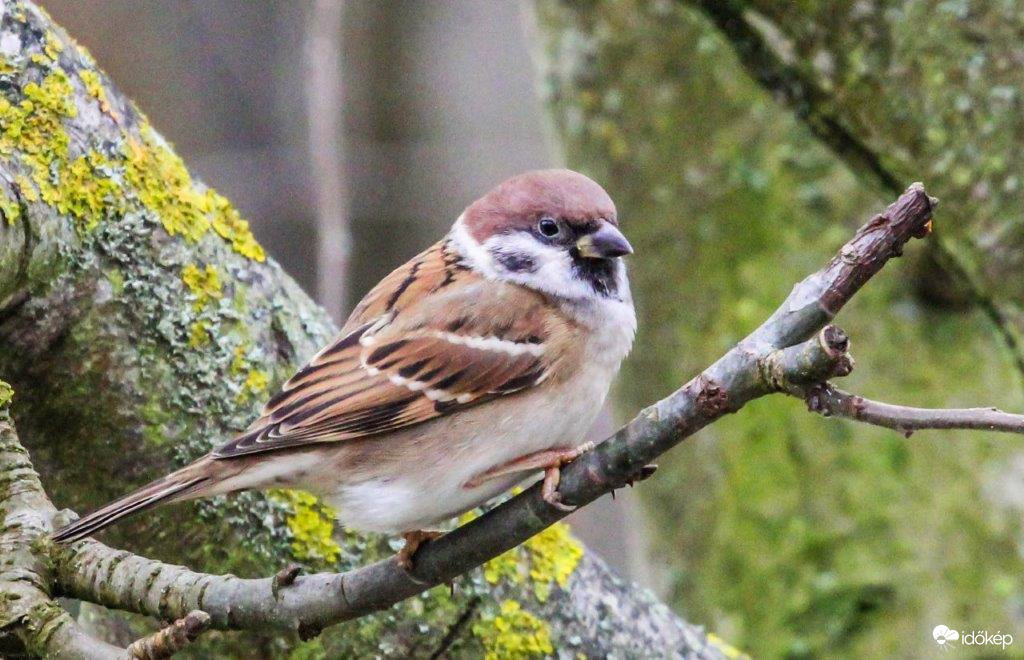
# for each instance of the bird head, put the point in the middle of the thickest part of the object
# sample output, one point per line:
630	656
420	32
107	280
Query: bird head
555	231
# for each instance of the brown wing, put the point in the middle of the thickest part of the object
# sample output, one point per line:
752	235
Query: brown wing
398	364
429	272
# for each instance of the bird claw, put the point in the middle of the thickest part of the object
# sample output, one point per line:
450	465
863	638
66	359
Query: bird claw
549	490
413	541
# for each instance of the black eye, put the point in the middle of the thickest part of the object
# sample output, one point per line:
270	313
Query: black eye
548	227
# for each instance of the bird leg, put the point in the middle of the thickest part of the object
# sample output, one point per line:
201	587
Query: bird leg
413	541
549	460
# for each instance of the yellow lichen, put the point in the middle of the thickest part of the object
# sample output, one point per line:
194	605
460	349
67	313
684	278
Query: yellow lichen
165	186
239	362
53	47
10	209
26	189
204	284
503	567
6	393
255	382
95	88
554	555
198	334
727	649
230	226
87	193
32	129
311	524
549	558
513	633
90	185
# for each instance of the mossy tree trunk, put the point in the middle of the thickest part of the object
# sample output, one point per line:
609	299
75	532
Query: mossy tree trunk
141	323
785	533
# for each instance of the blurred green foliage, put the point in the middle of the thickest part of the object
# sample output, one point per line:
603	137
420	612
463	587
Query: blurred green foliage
785	533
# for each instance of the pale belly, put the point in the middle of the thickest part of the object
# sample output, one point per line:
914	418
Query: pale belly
415	479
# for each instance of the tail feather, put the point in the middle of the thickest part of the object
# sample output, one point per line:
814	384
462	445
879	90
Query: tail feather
186	483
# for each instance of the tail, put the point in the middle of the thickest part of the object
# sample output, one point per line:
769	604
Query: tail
195	480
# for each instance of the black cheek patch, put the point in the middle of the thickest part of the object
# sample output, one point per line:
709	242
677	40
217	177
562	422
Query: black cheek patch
515	262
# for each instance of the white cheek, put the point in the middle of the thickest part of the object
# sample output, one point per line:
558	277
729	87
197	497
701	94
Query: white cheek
553	266
552	272
477	256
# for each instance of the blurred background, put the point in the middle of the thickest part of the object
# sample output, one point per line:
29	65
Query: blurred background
352	133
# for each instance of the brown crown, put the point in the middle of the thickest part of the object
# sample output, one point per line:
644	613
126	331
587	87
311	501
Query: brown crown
522	200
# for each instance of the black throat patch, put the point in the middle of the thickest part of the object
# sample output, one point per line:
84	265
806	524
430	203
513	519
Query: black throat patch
599	273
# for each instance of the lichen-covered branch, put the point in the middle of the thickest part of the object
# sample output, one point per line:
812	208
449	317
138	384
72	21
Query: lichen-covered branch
165	642
30	620
141	324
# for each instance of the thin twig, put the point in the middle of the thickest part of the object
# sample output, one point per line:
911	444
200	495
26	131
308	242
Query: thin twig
831	401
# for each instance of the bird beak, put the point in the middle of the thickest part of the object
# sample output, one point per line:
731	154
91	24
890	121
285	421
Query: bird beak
605	243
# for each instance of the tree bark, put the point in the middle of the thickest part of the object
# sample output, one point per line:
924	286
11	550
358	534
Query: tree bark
141	323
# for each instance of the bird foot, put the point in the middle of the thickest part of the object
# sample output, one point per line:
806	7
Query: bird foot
549	489
413	541
549	460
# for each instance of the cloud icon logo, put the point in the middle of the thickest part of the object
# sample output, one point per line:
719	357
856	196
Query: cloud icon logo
945	636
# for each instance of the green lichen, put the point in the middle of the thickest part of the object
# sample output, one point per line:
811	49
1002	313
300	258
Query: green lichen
203	283
6	394
513	632
311	523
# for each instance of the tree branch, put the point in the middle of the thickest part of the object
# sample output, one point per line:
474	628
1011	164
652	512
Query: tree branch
165	642
792	348
830	401
30	620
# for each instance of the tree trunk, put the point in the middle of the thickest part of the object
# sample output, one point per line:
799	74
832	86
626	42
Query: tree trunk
141	323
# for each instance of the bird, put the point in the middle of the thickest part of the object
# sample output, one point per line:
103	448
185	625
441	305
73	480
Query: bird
477	364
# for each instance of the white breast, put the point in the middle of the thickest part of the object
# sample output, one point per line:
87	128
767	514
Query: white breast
418	475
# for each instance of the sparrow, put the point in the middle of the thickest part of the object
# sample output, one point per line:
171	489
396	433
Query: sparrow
480	362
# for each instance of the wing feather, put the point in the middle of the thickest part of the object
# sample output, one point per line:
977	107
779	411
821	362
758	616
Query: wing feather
397	362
